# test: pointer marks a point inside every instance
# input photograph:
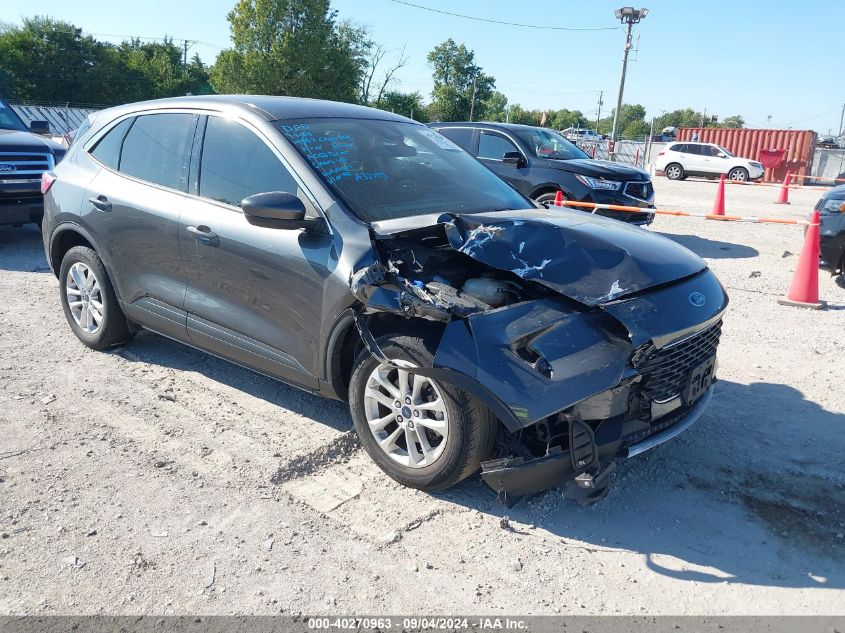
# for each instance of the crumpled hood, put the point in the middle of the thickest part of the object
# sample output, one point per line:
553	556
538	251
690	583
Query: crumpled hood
15	141
600	169
590	259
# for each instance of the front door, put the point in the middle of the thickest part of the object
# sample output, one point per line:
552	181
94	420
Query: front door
254	294
492	146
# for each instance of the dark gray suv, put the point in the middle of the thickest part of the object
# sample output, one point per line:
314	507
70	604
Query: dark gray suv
357	254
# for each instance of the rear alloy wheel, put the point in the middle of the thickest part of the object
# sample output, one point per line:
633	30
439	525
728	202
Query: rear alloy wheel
89	302
739	174
674	171
422	432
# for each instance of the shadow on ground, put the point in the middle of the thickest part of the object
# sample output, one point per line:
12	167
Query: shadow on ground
713	249
739	498
21	249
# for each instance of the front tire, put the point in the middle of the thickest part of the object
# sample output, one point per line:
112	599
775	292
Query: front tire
674	171
89	301
739	174
423	433
548	199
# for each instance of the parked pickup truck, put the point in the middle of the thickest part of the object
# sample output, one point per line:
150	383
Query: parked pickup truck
24	155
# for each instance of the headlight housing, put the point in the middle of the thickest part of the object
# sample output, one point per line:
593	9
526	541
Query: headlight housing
598	183
832	206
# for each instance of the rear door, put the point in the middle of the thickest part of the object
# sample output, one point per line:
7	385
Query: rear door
492	146
255	294
133	206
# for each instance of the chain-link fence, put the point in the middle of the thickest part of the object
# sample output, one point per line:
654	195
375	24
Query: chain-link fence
626	152
62	119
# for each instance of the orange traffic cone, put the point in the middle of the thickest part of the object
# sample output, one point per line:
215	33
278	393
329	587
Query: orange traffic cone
559	199
804	291
719	203
783	198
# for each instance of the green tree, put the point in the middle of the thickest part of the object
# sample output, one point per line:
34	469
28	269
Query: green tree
733	121
456	78
292	47
495	107
562	119
409	104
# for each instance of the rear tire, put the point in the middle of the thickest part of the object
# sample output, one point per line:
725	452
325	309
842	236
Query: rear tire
674	171
89	302
466	431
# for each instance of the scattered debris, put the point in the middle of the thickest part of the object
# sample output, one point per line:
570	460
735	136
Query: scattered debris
755	273
210	573
74	561
787	254
516	565
167	396
268	544
48	399
91	533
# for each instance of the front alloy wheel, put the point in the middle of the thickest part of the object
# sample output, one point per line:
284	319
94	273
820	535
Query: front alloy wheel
406	414
738	173
423	432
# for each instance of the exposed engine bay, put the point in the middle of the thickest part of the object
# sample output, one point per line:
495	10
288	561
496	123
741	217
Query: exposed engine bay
586	356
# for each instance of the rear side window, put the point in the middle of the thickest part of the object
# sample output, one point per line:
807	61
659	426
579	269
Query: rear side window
156	149
460	135
679	147
107	149
236	164
694	149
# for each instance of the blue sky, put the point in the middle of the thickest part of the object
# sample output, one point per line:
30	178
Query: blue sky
755	58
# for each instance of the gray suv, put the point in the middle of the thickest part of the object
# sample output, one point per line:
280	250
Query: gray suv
359	255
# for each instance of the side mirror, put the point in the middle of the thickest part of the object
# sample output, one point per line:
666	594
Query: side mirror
40	127
514	158
722	155
276	210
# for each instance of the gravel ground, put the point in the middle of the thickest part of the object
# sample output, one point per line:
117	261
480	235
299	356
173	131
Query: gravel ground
157	479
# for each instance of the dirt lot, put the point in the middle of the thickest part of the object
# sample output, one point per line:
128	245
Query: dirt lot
157	479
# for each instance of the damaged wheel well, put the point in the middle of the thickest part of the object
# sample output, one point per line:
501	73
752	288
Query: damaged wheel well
345	343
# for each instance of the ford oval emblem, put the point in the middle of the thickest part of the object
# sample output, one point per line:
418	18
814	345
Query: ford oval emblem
697	299
6	168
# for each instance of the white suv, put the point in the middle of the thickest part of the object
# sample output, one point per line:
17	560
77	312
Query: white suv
680	160
580	134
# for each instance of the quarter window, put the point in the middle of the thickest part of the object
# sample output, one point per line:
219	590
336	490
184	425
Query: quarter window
236	164
107	149
156	149
494	146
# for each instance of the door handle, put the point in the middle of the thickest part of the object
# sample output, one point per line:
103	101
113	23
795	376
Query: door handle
204	235
101	203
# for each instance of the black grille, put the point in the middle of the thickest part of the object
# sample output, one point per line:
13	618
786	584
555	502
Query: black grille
665	370
640	190
23	166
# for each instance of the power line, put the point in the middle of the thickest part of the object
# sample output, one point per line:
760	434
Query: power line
525	26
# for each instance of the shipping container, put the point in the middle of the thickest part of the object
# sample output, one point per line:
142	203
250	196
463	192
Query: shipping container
796	147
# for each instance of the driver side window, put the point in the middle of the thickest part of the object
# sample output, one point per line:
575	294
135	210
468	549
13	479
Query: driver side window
492	146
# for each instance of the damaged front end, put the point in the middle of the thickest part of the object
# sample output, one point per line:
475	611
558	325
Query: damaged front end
590	340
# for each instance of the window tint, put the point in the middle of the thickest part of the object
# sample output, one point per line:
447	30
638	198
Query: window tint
694	149
679	147
494	146
236	164
713	150
156	148
460	135
107	149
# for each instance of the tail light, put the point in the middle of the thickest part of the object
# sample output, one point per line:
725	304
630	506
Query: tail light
47	180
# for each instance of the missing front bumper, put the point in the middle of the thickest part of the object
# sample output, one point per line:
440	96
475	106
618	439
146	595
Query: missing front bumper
516	477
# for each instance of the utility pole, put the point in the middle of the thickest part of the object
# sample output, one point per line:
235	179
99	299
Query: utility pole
472	103
629	16
598	115
841	121
769	121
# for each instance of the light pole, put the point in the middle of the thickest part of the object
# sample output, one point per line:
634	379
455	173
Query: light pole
629	16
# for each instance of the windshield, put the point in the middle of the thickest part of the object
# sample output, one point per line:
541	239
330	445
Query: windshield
386	169
9	120
549	144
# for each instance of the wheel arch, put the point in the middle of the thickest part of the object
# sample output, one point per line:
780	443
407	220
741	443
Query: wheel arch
64	238
549	187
